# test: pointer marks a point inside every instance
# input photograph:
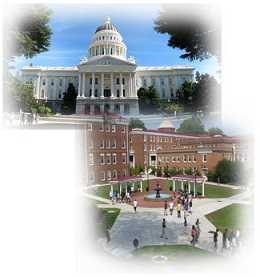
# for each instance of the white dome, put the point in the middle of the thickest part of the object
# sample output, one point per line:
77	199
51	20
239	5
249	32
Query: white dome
166	123
107	41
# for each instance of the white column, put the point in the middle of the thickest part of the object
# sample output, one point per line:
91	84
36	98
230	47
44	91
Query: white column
120	189
182	185
130	85
134	86
111	188
121	86
112	84
203	189
93	85
121	108
83	85
79	87
141	186
194	191
174	186
102	85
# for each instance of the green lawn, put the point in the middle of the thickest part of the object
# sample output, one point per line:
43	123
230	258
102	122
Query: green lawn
105	218
211	191
172	252
102	191
232	217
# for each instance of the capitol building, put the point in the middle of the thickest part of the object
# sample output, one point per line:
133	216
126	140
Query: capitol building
106	79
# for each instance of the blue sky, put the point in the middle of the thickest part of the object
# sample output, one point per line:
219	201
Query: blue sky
73	26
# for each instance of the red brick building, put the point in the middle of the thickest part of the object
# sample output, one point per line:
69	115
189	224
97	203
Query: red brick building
166	148
105	148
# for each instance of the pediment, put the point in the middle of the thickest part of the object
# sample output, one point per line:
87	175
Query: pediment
107	60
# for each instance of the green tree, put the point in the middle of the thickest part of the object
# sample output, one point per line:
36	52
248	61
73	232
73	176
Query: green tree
192	125
31	33
215	131
193	28
21	95
136	123
206	92
185	93
230	172
69	100
149	100
171	108
173	171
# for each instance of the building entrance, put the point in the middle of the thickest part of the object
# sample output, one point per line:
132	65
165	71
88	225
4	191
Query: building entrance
107	93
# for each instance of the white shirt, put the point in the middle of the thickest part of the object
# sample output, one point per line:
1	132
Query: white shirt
171	205
135	203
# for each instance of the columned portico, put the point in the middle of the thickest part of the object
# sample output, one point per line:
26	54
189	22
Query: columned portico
121	85
102	86
93	85
112	84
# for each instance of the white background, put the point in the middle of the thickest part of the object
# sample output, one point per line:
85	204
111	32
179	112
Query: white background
40	214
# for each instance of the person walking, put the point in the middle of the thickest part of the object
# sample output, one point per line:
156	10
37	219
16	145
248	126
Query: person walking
163	235
165	208
190	206
198	229
135	203
179	209
193	235
215	238
171	207
185	219
224	239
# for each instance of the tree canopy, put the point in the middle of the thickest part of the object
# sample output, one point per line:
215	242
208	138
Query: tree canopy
136	123
192	125
203	94
149	100
30	34
215	131
230	172
69	100
193	28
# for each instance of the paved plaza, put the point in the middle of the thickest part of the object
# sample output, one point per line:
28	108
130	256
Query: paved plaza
146	224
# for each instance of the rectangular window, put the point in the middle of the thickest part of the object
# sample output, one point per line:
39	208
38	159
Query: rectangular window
108	175
114	158
90	81
108	159
145	138
123	158
113	128
102	144
96	81
102	159
108	144
123	144
102	176
205	158
117	81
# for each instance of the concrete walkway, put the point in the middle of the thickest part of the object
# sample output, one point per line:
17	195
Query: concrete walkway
146	224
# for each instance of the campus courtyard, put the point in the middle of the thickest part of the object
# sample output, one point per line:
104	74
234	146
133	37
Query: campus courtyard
223	206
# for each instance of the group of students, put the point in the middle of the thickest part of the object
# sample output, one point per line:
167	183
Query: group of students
124	197
195	232
181	202
230	239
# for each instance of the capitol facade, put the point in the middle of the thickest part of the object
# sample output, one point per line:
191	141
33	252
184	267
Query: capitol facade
106	79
